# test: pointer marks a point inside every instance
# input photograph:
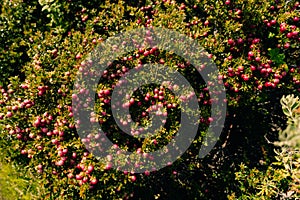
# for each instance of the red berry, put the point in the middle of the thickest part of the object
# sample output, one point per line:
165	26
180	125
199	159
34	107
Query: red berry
9	114
246	77
70	175
133	178
230	41
286	45
273	22
293	27
282	29
289	35
227	2
90	169
94	181
295	33
255	41
146	53
78	56
106	92
240	41
240	68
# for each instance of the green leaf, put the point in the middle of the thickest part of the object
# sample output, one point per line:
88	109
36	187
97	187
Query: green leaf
276	56
46	7
286	111
271	35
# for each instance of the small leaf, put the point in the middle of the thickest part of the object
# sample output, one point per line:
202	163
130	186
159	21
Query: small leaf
46	7
271	35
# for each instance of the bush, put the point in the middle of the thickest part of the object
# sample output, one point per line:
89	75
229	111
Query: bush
281	179
254	44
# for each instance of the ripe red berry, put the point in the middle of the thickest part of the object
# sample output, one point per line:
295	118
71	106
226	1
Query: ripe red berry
230	42
246	77
146	53
106	92
78	56
90	169
94	181
250	53
286	45
289	35
273	22
282	28
295	33
133	178
240	41
9	114
255	41
241	68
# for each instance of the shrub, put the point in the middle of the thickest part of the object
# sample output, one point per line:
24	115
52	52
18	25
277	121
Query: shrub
281	179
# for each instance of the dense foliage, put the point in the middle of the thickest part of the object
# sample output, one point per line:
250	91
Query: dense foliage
255	45
281	180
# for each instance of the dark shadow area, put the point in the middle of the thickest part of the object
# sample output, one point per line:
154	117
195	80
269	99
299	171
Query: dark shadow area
243	140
